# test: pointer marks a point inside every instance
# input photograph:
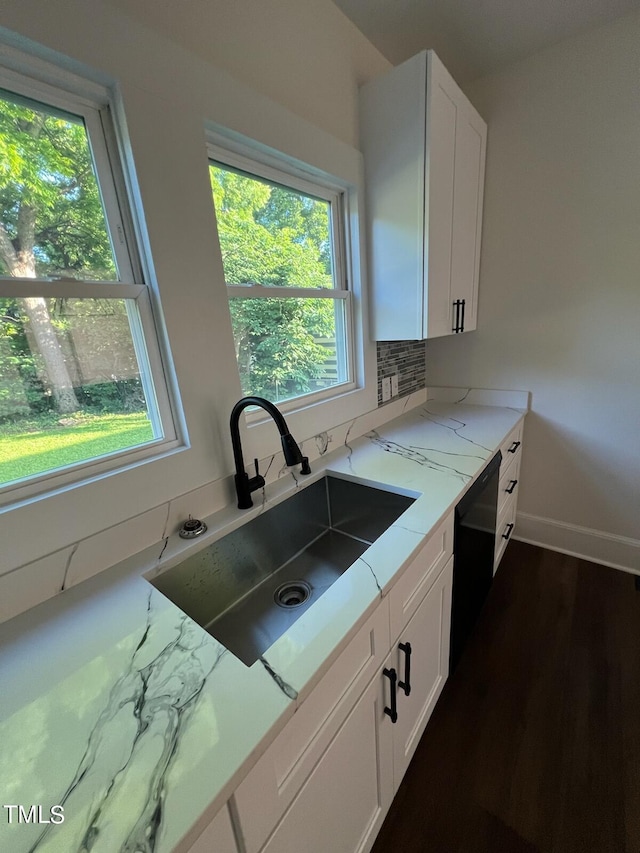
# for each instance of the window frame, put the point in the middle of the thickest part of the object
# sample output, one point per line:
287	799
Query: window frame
92	103
282	173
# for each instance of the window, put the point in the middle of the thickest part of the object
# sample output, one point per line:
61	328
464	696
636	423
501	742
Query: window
282	244
80	371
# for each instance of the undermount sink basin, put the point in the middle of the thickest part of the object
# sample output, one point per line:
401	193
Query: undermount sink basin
249	587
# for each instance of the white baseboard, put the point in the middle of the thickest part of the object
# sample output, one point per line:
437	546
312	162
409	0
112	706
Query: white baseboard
619	552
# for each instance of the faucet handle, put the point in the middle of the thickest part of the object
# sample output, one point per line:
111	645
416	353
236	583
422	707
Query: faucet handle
256	482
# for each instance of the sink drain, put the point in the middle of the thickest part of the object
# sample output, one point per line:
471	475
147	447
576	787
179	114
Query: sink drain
292	594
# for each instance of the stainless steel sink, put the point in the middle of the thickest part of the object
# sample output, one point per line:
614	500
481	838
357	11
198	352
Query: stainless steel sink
248	588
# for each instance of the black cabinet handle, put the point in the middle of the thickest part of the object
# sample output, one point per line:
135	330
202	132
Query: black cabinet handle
514	447
511	486
393	710
508	532
406	684
458	325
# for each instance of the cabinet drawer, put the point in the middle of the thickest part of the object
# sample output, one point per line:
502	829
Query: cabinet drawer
504	529
413	585
511	447
262	797
508	485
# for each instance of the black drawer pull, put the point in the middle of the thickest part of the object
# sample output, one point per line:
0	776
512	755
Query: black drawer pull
393	710
406	684
508	532
514	447
458	325
512	485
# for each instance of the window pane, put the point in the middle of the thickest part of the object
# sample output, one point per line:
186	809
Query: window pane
269	234
289	347
74	384
52	221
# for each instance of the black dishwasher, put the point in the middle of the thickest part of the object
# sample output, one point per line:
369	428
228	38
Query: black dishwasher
474	541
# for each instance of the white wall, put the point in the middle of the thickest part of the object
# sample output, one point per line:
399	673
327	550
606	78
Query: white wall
559	309
307	56
169	93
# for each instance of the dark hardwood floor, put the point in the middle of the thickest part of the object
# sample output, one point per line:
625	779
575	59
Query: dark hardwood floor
534	745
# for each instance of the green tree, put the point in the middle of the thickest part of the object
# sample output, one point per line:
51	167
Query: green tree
273	236
51	220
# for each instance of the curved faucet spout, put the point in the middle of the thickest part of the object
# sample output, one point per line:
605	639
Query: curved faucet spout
292	454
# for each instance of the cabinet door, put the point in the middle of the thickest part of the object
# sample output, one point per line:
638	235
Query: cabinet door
392	132
467	211
440	181
264	795
424	150
428	635
456	148
343	803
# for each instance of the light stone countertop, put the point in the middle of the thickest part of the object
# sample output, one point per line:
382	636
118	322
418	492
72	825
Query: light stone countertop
117	706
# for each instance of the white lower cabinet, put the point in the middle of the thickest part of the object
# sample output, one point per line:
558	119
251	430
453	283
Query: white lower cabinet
422	671
287	766
343	803
328	779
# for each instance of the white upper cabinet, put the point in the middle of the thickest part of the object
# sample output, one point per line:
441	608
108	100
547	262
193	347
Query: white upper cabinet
424	147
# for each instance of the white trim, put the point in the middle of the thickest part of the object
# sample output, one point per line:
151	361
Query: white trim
281	172
346	180
59	480
124	176
607	549
94	125
25	75
275	170
67	288
225	143
166	438
303	401
261	291
152	373
90	105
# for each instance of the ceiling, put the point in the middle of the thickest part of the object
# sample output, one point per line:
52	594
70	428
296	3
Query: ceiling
475	37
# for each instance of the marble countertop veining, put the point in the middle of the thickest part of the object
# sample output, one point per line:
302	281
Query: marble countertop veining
118	707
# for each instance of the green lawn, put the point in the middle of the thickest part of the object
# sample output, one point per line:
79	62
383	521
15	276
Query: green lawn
44	448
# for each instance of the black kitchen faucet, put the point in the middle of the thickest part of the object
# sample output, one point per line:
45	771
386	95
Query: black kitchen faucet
292	453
